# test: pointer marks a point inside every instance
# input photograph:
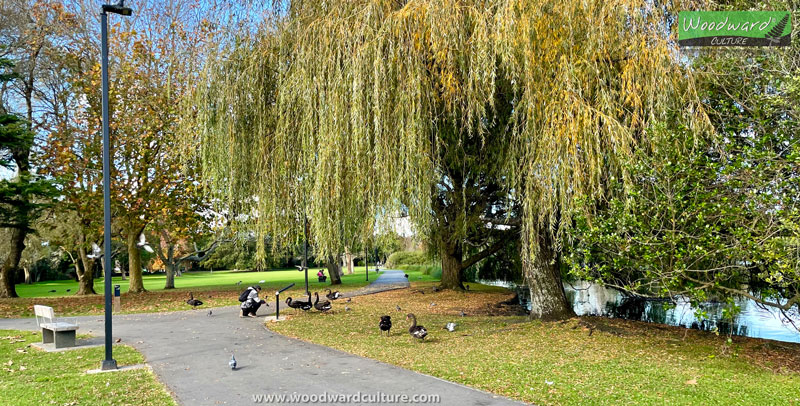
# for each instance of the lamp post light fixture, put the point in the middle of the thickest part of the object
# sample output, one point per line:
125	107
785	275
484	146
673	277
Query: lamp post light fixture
118	8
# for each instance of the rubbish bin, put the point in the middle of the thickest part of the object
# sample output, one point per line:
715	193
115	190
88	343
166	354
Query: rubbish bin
117	304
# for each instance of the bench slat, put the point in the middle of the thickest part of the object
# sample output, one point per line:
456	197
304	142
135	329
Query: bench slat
60	326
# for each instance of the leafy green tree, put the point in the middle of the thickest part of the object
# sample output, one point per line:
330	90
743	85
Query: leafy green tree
22	197
712	217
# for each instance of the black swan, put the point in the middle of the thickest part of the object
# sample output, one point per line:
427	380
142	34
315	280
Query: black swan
298	304
332	295
324	306
385	324
416	331
293	304
193	302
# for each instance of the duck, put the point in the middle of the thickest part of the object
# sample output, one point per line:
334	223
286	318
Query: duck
385	324
451	327
324	306
193	302
332	295
419	332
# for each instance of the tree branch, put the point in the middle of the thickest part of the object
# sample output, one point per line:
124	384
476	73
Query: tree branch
497	246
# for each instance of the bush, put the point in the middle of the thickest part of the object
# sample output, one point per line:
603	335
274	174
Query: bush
407	258
431	269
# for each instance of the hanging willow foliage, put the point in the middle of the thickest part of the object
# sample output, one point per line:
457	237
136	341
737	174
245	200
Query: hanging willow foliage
335	111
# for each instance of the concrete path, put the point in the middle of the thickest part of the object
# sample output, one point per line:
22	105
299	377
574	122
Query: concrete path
189	351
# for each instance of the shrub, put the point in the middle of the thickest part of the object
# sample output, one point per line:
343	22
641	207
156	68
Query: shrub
407	258
430	269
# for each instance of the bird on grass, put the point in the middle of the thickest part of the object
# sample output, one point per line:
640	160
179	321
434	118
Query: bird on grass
323	306
332	295
385	324
349	299
232	362
418	332
451	327
193	302
398	308
463	314
238	283
52	291
261	281
299	304
347	308
436	289
209	313
433	304
69	290
466	287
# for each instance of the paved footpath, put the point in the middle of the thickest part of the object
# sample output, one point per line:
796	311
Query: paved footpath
189	351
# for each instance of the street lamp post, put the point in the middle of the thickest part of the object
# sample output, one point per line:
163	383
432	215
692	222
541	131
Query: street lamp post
109	362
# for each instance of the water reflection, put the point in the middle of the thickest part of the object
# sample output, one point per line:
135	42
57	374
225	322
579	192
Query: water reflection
596	300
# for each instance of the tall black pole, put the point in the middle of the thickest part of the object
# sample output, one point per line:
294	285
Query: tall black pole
366	260
305	244
305	251
109	362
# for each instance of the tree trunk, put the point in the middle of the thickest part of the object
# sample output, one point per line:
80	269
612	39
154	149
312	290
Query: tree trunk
452	266
28	275
543	274
348	258
334	270
170	269
134	263
9	268
170	265
86	276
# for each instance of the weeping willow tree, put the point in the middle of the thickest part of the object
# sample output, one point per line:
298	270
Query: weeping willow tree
347	112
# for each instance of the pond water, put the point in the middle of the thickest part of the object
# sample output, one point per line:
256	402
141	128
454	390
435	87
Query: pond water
591	299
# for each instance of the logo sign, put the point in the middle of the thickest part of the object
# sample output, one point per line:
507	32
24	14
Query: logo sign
734	28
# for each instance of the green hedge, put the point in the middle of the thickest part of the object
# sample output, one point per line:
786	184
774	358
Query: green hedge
407	258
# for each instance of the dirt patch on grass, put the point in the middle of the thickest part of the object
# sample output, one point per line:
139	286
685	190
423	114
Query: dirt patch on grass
146	302
480	301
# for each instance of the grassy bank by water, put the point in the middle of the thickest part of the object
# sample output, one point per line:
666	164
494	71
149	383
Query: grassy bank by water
33	377
579	361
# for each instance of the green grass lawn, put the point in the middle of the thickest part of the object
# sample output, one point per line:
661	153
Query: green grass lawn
214	289
558	363
33	377
194	280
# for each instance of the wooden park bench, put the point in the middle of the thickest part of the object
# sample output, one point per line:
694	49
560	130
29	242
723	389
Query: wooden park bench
60	332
